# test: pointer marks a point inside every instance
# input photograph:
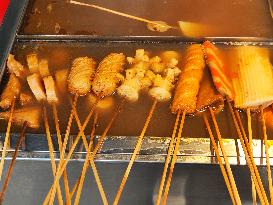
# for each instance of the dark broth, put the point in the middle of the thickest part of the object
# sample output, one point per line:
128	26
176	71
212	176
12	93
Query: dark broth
225	17
131	120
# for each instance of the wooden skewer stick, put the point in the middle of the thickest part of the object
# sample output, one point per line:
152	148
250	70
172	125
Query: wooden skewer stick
92	135
249	127
269	176
135	153
60	143
62	166
176	149
217	153
86	162
121	14
167	160
229	171
8	177
51	154
93	166
52	196
256	179
251	155
7	139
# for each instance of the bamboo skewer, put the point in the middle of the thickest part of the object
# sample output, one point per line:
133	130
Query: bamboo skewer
52	196
51	154
62	166
60	143
255	177
86	162
135	153
121	14
249	127
7	139
167	160
269	176
251	155
92	135
8	177
217	153
93	166
228	168
176	149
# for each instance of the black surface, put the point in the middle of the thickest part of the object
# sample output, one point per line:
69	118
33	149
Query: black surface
11	22
191	184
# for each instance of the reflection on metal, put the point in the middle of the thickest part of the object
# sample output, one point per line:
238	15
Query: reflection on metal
154	149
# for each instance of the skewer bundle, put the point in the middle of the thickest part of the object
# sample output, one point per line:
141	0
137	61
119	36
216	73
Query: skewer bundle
194	94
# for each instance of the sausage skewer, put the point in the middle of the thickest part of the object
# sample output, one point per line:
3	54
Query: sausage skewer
185	101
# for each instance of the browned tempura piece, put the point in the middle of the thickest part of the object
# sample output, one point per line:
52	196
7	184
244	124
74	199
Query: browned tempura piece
208	96
108	74
11	91
186	92
81	75
31	115
15	67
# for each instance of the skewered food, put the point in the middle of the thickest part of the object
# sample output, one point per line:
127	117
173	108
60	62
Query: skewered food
26	98
167	56
104	104
108	74
11	91
159	26
218	70
81	75
186	92
15	67
163	84
31	115
51	93
253	77
61	80
208	96
33	63
36	85
43	68
137	77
